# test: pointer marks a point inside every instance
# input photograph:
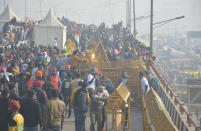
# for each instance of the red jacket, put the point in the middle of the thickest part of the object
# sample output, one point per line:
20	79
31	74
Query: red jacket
38	83
30	82
55	81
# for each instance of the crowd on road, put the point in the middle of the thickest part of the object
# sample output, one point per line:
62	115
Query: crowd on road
41	85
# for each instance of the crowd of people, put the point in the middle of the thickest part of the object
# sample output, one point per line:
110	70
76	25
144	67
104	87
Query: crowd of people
118	41
41	85
14	31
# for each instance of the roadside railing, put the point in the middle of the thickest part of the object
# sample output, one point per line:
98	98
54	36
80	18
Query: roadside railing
175	114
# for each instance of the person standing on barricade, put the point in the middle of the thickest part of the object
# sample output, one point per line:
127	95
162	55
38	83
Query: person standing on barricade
75	60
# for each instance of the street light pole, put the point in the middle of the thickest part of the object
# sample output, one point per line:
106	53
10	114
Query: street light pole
176	18
166	21
151	28
134	19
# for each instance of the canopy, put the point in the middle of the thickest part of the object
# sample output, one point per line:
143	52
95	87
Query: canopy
51	20
7	15
49	29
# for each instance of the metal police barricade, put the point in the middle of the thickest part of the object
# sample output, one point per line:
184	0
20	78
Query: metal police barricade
118	105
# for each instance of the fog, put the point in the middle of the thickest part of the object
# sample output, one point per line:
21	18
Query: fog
112	11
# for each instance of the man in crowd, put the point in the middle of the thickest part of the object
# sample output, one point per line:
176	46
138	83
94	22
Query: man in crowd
152	80
39	81
123	78
31	111
144	83
98	108
55	112
55	44
80	106
13	92
75	60
4	112
92	80
54	78
16	120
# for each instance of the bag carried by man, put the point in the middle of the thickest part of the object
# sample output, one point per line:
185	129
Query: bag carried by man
155	83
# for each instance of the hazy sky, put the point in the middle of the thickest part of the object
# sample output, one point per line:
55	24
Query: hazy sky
112	11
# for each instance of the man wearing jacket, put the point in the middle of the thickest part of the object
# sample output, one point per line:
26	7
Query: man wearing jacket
4	112
80	106
55	112
16	120
31	111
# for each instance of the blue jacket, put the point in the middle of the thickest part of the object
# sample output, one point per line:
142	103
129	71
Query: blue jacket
81	101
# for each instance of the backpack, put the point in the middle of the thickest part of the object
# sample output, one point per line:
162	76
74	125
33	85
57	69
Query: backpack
155	83
81	101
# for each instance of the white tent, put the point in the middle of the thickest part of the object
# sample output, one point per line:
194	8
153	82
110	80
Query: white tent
49	28
6	16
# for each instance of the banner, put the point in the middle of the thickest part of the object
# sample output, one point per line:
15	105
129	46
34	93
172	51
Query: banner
70	47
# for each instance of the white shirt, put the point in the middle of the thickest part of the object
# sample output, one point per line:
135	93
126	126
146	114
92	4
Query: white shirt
115	51
55	43
93	84
144	83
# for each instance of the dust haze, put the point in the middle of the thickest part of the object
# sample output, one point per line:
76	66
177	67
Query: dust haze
112	11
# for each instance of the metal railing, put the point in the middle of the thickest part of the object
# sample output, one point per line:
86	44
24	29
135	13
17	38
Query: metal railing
177	102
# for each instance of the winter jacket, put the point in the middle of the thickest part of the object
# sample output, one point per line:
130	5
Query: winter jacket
16	122
55	112
31	111
4	112
81	100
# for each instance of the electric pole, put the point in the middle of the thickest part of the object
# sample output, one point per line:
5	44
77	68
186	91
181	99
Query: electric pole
25	9
134	20
151	28
4	4
128	15
41	9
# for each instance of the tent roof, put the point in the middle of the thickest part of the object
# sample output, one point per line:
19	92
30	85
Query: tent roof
51	20
7	15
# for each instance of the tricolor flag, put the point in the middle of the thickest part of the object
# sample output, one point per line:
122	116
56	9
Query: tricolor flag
77	37
46	57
